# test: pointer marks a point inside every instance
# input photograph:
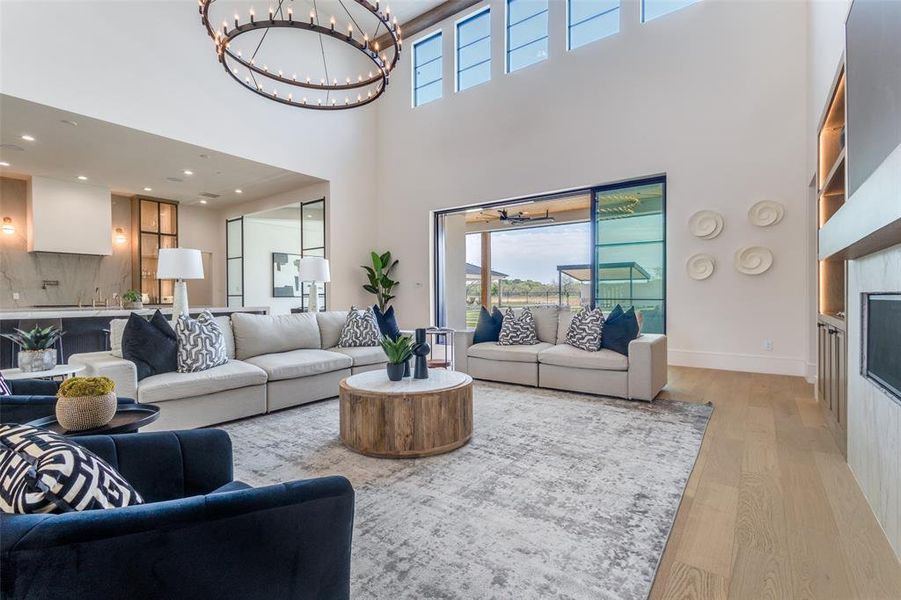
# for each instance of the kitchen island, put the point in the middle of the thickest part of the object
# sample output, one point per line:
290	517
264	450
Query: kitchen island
87	328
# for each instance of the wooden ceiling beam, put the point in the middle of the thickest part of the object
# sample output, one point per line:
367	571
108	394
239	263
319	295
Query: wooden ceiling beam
429	18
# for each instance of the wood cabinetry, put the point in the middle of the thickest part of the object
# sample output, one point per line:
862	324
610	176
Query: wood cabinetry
155	226
832	377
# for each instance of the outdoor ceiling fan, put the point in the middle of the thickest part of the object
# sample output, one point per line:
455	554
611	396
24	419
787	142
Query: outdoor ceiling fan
522	218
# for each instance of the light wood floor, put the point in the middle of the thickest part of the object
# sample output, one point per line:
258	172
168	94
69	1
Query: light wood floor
772	509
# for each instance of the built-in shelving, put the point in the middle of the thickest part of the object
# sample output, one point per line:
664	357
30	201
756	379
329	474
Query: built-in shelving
832	363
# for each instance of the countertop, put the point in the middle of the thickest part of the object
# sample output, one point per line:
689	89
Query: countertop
75	312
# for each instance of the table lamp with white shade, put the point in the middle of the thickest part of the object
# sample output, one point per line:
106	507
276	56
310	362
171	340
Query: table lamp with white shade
314	269
179	264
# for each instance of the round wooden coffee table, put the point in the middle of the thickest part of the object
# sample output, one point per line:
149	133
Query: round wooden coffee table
410	418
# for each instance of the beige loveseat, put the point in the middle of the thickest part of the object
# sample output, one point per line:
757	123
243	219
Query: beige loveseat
553	364
275	361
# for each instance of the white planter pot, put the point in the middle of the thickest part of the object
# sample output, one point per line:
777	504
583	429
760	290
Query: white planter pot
37	360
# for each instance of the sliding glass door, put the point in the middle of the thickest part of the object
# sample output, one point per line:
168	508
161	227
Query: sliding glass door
598	246
629	258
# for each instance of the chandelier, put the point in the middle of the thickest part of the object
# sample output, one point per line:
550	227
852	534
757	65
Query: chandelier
355	38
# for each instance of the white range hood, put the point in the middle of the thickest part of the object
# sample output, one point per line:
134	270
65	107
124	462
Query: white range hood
70	217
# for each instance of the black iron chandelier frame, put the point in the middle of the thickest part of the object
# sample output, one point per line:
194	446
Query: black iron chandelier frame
383	59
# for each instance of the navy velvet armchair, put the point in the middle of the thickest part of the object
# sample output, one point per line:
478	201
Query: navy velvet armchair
200	534
32	399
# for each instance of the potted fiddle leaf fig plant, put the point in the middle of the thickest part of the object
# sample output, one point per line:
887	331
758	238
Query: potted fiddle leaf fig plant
86	403
398	352
37	351
132	300
380	282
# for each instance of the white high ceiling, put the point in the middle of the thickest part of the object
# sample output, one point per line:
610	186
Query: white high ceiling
127	160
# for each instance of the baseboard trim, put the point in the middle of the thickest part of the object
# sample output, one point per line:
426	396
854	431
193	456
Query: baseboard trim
750	363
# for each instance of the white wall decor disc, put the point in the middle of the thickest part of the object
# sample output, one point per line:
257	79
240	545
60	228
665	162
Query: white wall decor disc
705	224
766	213
753	260
701	266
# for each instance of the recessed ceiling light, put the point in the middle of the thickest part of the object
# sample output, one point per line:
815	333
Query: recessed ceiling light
82	178
69	122
174	179
203	201
239	191
146	189
188	172
27	138
3	163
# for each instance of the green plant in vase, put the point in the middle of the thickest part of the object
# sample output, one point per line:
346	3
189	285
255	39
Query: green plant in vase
380	282
398	352
132	299
37	347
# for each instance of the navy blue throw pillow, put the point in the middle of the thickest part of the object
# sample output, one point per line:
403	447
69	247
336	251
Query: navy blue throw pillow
620	328
488	329
387	323
151	345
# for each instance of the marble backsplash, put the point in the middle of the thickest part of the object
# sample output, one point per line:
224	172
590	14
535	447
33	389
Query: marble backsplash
79	276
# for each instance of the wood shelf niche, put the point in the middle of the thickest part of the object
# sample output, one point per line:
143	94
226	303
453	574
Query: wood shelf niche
832	357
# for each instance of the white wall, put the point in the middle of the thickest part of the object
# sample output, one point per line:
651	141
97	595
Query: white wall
150	65
712	95
262	237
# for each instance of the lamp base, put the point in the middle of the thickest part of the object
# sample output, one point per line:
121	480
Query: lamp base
180	298
314	297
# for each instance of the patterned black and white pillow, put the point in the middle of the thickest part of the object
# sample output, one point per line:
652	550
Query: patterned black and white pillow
516	331
586	329
360	329
5	390
201	343
42	472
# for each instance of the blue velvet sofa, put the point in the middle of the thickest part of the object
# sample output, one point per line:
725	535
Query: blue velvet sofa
200	534
32	399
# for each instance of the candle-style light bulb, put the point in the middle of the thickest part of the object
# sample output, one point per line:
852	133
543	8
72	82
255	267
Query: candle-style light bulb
236	20
290	14
304	100
350	30
252	15
331	23
348	80
280	74
312	16
375	46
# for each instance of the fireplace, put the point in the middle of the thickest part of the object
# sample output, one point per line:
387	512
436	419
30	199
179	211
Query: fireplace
881	343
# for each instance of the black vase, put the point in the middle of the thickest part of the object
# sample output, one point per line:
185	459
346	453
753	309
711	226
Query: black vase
421	349
395	371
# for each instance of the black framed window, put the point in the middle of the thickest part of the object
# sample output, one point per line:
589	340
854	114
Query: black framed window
629	259
234	262
312	243
474	50
590	20
427	69
651	9
527	33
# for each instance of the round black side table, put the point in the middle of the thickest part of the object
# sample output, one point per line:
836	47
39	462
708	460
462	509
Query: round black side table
128	419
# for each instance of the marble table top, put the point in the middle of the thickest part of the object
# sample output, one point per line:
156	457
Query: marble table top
377	381
57	371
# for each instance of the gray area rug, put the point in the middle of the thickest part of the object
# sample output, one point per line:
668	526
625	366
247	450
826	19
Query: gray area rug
558	495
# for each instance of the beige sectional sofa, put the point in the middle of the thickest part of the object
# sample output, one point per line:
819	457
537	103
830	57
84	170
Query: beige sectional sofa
275	361
553	364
